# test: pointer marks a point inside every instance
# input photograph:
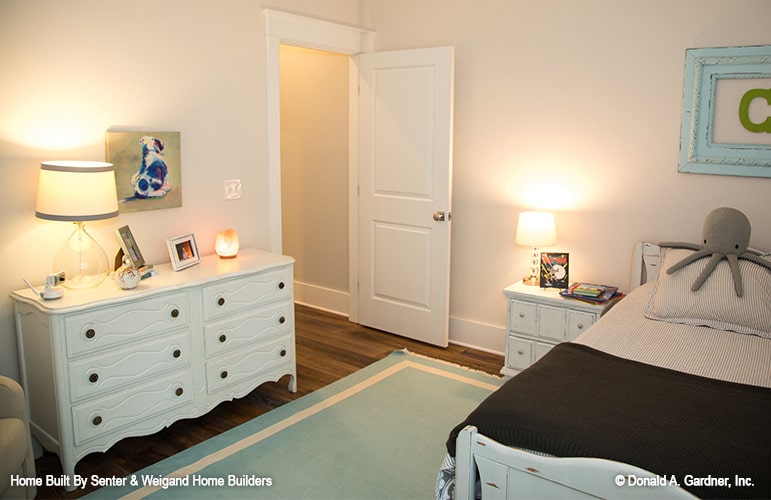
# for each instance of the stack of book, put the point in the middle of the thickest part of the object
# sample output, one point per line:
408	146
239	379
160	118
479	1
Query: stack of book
591	293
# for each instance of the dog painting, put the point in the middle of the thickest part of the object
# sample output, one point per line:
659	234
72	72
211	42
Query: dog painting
151	181
147	169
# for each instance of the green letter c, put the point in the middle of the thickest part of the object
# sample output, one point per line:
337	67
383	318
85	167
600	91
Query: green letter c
744	110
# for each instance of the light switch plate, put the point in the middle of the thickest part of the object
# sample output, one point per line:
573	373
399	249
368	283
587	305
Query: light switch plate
233	189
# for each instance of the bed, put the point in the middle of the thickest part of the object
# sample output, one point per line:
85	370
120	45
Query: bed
668	395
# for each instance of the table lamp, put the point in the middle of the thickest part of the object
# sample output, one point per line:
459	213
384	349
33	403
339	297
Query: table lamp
535	229
78	191
226	244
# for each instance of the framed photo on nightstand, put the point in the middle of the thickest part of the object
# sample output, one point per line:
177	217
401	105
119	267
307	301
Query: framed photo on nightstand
554	270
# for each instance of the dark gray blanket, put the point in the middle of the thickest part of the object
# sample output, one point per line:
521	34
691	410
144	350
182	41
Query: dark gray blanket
580	402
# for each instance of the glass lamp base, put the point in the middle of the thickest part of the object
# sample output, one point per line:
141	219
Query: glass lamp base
81	258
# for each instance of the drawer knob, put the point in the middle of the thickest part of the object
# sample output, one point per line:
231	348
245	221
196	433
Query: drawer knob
282	353
175	313
93	378
177	353
223	338
282	320
97	420
580	326
90	333
179	391
224	374
281	285
520	352
521	315
221	301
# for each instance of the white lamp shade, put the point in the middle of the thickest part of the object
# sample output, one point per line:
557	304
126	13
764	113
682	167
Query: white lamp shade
536	229
76	191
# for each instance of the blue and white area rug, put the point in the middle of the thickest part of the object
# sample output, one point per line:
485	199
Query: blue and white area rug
378	433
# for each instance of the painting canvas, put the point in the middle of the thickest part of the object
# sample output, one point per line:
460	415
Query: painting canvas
148	170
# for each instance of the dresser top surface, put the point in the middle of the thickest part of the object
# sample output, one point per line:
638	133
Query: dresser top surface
210	269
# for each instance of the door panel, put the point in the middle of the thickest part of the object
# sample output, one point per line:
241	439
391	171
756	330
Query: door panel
405	167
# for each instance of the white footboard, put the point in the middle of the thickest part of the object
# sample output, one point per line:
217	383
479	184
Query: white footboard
510	473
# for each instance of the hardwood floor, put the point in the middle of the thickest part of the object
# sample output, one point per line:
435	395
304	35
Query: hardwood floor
328	348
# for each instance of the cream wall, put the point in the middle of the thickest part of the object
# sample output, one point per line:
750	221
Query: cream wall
314	172
573	107
72	70
569	106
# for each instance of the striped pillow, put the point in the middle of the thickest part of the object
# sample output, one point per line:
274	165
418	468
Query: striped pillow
715	304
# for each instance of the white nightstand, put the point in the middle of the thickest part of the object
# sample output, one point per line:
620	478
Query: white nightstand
538	319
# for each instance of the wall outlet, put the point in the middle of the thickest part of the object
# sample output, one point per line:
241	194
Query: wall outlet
233	189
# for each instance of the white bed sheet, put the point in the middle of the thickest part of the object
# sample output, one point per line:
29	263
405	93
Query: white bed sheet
625	332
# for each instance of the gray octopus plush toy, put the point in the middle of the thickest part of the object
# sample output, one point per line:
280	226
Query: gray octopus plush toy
726	235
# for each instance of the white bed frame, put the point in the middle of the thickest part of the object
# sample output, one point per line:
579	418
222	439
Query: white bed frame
510	473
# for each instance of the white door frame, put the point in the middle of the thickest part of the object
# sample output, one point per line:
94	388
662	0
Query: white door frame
292	29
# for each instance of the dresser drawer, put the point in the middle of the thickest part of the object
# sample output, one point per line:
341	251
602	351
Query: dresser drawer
226	371
522	317
111	326
230	296
94	375
248	329
122	409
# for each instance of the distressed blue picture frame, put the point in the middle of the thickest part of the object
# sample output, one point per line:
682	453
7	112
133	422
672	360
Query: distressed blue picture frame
747	70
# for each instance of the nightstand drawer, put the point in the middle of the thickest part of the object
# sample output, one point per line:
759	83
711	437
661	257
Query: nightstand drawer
519	353
522	316
541	349
551	322
578	322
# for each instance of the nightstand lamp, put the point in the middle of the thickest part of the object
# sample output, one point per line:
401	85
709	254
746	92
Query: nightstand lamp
535	229
78	191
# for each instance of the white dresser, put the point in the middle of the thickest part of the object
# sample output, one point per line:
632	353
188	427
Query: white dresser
102	364
538	319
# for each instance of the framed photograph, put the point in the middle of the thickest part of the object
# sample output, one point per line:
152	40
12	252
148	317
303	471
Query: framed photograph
183	251
148	171
554	270
726	127
129	246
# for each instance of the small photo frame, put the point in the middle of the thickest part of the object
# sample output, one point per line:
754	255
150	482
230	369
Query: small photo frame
183	251
129	246
554	270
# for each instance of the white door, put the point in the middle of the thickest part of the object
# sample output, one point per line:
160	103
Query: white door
405	184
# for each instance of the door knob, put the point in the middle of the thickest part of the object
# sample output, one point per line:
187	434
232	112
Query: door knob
439	216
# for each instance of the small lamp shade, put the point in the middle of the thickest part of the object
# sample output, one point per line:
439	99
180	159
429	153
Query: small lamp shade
535	229
78	191
226	244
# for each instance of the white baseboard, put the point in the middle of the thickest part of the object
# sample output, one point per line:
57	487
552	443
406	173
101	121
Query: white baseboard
480	336
318	297
464	332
